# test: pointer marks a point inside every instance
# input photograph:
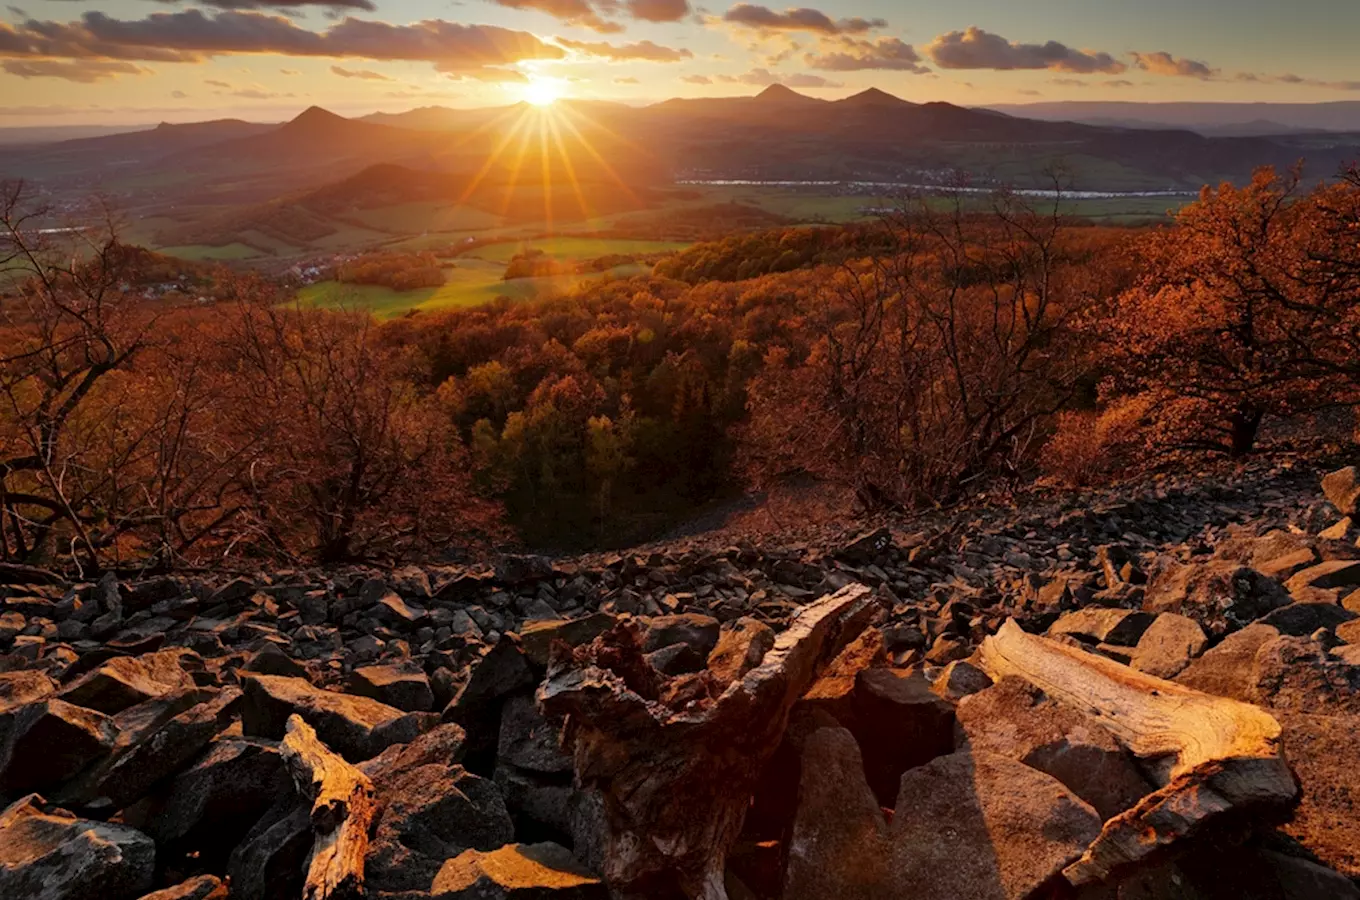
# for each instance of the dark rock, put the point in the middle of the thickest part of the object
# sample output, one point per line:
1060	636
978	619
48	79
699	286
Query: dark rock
355	727
677	659
528	740
524	871
899	724
269	862
402	685
866	547
537	637
430	813
24	686
1168	645
959	679
270	660
1326	576
51	855
43	744
1325	757
1298	674
1016	720
1299	619
1221	596
697	631
538	804
213	804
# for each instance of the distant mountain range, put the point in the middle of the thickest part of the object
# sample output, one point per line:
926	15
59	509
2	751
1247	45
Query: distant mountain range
1210	119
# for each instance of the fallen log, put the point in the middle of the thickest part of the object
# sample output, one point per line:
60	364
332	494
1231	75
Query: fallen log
675	777
342	811
1215	759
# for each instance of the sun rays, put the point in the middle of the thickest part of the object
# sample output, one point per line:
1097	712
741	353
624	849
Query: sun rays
545	149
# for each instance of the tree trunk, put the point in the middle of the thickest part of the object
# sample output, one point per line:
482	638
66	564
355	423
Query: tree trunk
1244	423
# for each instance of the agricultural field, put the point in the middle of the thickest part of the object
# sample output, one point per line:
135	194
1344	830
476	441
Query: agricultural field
573	248
471	283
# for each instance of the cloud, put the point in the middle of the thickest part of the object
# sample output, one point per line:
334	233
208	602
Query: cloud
626	80
1162	63
658	10
366	5
765	78
978	49
213	82
1289	78
364	74
178	95
289	72
83	71
762	18
569	12
193	36
696	79
857	55
642	50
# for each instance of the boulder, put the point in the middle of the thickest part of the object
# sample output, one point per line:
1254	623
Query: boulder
1222	596
44	743
269	862
1300	619
213	804
355	727
1226	669
442	745
968	824
899	723
1336	574
528	740
1342	490
428	814
128	680
204	887
1298	674
960	679
742	644
270	660
538	636
697	631
517	872
1282	567
1326	759
1016	720
401	685
24	686
1096	625
49	854
1168	645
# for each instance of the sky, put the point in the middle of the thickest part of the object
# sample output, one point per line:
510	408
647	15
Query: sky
143	61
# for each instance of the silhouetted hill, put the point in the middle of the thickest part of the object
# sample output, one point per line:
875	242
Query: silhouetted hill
873	98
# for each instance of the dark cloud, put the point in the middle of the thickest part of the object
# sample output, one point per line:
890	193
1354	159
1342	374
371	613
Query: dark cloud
1162	63
642	50
765	78
362	74
658	10
978	49
853	55
696	79
84	71
1288	78
366	5
193	36
750	15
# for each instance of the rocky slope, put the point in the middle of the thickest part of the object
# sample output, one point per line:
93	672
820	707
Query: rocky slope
835	714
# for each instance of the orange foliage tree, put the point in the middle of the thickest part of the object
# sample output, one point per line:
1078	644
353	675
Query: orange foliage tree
1247	307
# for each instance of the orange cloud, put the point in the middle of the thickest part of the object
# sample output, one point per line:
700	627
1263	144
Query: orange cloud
1162	63
762	18
645	51
855	55
978	49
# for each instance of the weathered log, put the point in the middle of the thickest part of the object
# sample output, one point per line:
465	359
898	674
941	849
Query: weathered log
342	811
1214	758
675	783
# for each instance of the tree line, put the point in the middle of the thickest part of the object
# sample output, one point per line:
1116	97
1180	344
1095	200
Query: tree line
912	361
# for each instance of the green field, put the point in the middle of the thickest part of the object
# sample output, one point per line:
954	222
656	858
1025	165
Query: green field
472	283
205	253
570	248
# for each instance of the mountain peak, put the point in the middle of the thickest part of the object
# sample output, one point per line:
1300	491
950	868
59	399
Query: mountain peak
875	97
780	93
315	116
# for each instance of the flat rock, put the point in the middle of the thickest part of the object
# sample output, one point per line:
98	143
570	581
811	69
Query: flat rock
527	871
698	631
355	727
1334	574
24	686
538	636
742	644
52	855
128	680
1168	645
401	685
1016	720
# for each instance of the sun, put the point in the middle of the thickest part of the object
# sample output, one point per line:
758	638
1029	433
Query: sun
541	92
